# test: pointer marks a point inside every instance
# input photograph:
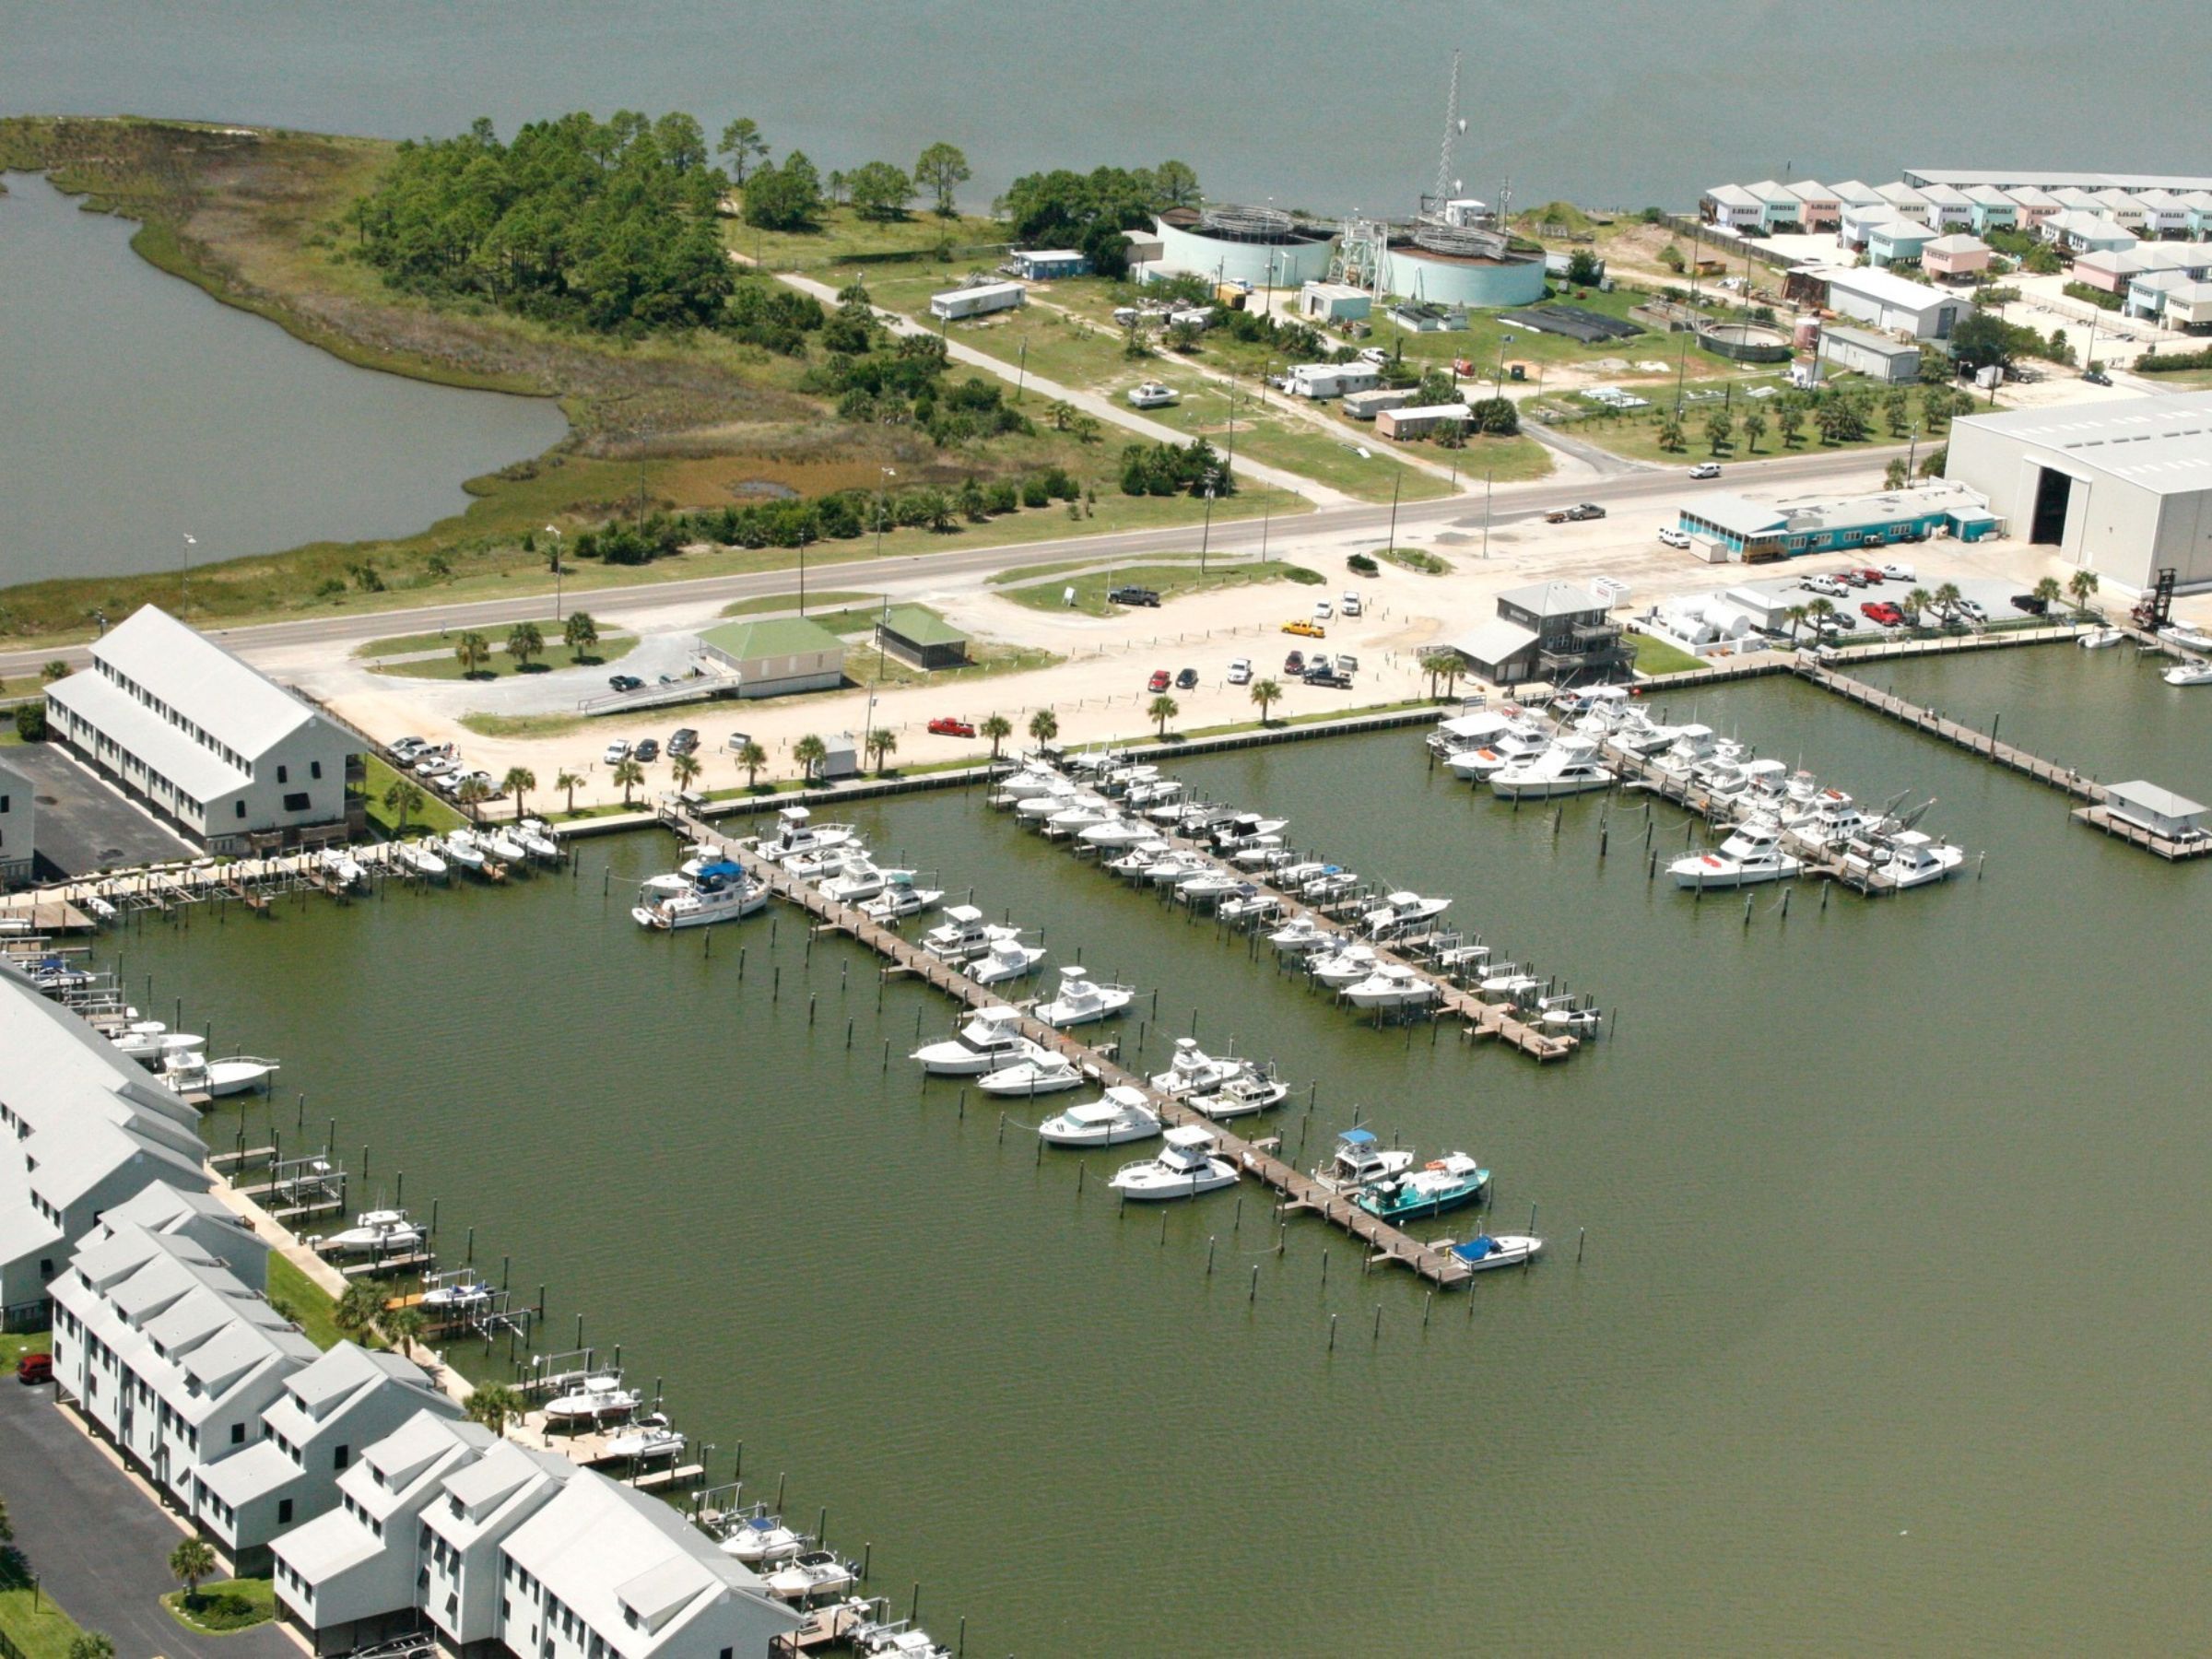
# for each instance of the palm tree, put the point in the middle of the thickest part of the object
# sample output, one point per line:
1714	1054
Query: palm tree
518	780
91	1644
358	1308
883	743
1060	413
404	799
2049	591
494	1405
1918	603
1821	610
191	1560
474	650
1162	709
809	751
2079	587
752	756
1044	725
404	1327
998	728
1437	662
684	769
524	642
569	782
472	794
1946	600
1755	429
630	774
1266	693
580	633
1797	614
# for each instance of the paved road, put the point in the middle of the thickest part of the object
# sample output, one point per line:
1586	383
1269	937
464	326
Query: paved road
1514	503
98	1545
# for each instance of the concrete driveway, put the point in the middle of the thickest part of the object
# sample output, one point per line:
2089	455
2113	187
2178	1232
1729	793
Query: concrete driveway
98	1545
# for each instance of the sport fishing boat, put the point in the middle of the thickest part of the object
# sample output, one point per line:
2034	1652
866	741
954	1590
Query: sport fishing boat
592	1400
1904	858
761	1540
1568	767
1300	934
720	892
1121	1114
150	1042
1256	1090
1187	1166
1004	959
649	1439
797	833
460	848
900	899
500	844
455	1300
1751	855
1041	1073
1360	1160
1081	1001
1445	1184
342	867
190	1073
1242	829
854	877
1346	967
990	1038
1693	745
1485	1251
419	858
964	933
376	1232
1512	746
1193	1071
537	839
810	1574
1400	913
1391	986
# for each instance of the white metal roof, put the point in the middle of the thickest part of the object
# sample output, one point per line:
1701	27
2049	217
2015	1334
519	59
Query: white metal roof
2151	797
241	706
1891	289
198	771
2053	181
2161	444
1553	598
1496	641
1957	243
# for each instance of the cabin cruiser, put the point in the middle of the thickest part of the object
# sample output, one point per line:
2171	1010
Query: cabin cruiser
1904	858
2195	672
1085	812
1516	744
1503	1250
1004	959
1637	733
1568	767
1391	986
376	1232
1243	828
811	1573
1300	934
1469	731
964	933
761	1540
1140	857
649	1439
1693	745
900	899
1179	868
1187	1166
990	1038
1829	819
1256	1090
720	892
1081	1001
420	858
1041	805
797	834
1345	967
2185	635
1359	1160
460	848
1193	1071
1445	1184
1400	913
1041	1073
1753	854
2101	639
1122	1113
190	1073
593	1398
150	1042
855	877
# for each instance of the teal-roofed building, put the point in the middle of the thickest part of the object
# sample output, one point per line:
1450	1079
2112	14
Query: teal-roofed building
777	655
915	634
1752	532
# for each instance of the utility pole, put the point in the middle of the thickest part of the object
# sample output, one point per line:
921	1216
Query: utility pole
1021	371
1207	535
1486	511
185	589
1391	541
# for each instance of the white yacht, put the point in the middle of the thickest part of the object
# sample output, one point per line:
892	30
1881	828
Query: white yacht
1081	1000
1121	1114
376	1232
190	1073
1193	1071
1302	933
1032	781
1904	858
1568	767
1360	1160
2197	670
1692	746
1005	960
1345	967
900	899
1085	812
1046	804
963	934
796	833
991	1038
1752	854
594	1398
1042	1074
1391	986
720	892
761	1540
1830	820
856	878
1639	734
1469	731
1187	1166
1256	1090
1514	745
1402	912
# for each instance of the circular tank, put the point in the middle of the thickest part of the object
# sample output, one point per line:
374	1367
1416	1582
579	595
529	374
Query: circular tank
1745	342
1255	245
1459	279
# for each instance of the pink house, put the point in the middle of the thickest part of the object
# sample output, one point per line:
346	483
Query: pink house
1955	257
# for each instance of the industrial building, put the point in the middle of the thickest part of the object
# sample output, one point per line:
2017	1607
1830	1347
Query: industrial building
1224	242
1549	630
1048	264
1894	304
221	751
777	657
1728	527
1366	406
918	636
1877	357
1419	422
2123	488
1334	302
961	304
18	827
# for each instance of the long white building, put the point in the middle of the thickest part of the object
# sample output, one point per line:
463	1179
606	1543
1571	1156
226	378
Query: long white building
82	1129
213	746
18	827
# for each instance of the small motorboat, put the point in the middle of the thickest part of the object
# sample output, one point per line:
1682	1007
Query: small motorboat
1391	986
376	1232
537	839
1137	860
1193	1071
1081	1001
647	1439
1250	904
1243	828
1040	1074
811	1573
1187	1166
1004	959
1340	968
1571	1018
455	1299
341	867
1116	833
2101	639
500	844
1179	868
1401	912
1360	1160
761	1540
595	1398
150	1042
1445	1184
2196	672
1121	1114
1300	934
459	848
1485	1251
1255	1090
2187	635
189	1072
417	858
897	1641
990	1038
1208	888
813	864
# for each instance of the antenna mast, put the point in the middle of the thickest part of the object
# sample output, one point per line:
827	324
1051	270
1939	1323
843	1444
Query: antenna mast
1452	129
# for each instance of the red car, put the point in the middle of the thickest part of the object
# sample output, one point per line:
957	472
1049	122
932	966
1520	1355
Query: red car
1295	662
944	725
35	1368
1882	611
1161	679
1873	578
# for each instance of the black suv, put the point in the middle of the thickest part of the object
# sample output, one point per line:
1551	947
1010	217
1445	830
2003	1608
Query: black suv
648	749
1328	676
684	742
1187	681
1133	595
624	682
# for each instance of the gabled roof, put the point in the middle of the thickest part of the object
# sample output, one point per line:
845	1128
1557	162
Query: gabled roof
922	626
1889	289
1733	195
771	636
1496	641
191	673
1552	599
1957	243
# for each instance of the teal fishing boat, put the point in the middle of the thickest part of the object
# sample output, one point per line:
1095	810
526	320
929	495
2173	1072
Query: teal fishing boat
1448	1183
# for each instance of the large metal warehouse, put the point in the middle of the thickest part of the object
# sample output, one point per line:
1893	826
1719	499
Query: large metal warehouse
2123	488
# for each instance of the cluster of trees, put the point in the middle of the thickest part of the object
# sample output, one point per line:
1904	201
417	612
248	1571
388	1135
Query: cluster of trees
609	225
1983	338
1839	414
1062	208
1286	337
1166	469
792	196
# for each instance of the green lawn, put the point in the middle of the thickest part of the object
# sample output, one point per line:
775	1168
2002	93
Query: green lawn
790	601
14	1345
1656	656
30	1619
1167	579
1636	434
864	663
433	814
224	1605
1417	559
304	1301
842	233
448	667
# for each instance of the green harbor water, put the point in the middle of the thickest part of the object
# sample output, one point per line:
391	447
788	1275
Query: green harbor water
1888	1332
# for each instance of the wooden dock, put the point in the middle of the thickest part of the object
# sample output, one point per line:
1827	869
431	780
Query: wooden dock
1298	1190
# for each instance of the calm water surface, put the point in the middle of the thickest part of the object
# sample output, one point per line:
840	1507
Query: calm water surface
140	411
1300	100
1889	1335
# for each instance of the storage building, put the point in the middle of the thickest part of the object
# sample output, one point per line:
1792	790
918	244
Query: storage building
1048	264
1754	532
1366	406
1419	422
1912	309
978	301
917	635
1225	242
1334	302
777	657
2123	487
18	827
1854	351
1331	380
2161	811
212	747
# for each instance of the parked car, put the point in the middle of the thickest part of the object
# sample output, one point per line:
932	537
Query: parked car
1306	630
1827	587
1968	608
1871	577
648	749
454	781
1239	672
684	742
1350	604
436	765
1375	355
1327	677
1153	395
1160	681
945	725
1187	681
1882	611
1843	622
2030	602
1897	572
1706	469
1323	610
1295	662
1569	515
1669	537
616	751
625	682
35	1368
2098	377
1133	595
406	749
1851	579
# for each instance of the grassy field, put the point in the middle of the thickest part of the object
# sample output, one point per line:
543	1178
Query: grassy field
1635	434
866	665
1168	581
499	663
1416	559
14	1345
842	234
443	639
306	1302
790	601
1656	656
224	1605
28	1617
433	814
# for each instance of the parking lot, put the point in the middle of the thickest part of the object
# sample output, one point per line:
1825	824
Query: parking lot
86	824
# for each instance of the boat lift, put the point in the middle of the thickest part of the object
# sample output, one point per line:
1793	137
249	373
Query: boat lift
296	1188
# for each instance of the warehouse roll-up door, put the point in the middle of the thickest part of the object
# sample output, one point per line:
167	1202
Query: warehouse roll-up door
2054	493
